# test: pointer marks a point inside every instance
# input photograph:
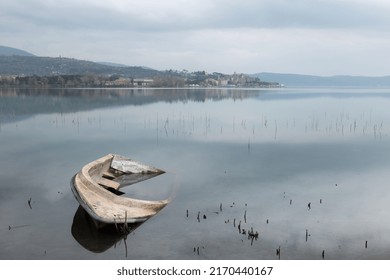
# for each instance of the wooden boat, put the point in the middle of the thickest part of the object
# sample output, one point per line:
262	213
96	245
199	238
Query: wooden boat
96	187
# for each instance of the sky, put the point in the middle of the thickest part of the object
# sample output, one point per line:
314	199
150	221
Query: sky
317	37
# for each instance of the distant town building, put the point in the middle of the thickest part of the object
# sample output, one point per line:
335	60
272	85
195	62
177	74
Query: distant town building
142	82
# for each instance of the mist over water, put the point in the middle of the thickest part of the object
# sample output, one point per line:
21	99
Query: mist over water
254	173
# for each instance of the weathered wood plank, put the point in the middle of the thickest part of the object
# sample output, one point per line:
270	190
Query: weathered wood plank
108	183
108	175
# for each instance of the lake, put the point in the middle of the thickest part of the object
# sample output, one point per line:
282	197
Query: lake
252	173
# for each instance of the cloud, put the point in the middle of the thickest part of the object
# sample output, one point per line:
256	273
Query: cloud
306	36
314	14
175	15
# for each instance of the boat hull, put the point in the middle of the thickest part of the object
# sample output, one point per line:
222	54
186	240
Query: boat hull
95	185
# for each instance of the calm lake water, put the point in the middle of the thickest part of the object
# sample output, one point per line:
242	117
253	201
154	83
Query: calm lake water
308	169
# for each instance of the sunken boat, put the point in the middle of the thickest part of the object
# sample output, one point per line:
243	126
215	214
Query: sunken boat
96	188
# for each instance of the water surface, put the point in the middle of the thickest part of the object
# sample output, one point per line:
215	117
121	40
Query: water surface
305	169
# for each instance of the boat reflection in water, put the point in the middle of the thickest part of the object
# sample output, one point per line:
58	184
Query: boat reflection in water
98	240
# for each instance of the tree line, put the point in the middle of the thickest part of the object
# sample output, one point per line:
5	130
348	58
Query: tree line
200	79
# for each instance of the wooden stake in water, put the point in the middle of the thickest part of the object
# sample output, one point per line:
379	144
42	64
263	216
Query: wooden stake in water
276	129
126	226
157	128
124	242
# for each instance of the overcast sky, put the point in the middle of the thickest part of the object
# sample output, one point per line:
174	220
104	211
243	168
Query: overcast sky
320	37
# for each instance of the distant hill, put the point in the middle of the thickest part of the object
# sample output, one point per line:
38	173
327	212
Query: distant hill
7	51
296	80
48	66
34	71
